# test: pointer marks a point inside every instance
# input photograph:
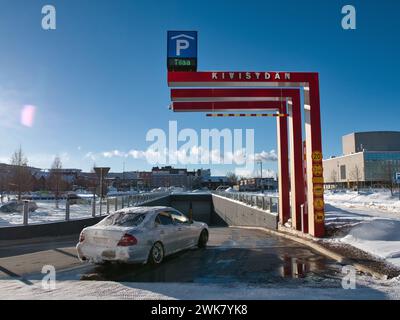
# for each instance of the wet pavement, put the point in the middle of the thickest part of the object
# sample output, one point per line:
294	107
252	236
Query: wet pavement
233	255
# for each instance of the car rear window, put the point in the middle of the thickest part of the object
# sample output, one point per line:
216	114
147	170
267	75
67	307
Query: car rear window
179	217
164	218
123	219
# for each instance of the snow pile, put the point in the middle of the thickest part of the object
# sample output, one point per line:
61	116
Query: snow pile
380	237
107	290
369	221
47	212
374	199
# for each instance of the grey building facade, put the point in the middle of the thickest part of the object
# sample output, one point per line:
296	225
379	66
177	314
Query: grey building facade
371	141
369	158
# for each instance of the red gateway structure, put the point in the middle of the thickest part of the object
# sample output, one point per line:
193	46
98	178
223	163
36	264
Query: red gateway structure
251	91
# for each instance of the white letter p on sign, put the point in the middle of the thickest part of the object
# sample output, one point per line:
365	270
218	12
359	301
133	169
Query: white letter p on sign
181	44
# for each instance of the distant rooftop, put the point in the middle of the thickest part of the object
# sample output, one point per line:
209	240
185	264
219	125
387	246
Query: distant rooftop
371	141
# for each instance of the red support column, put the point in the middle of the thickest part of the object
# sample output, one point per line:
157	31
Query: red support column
305	208
283	167
296	160
307	80
191	103
316	212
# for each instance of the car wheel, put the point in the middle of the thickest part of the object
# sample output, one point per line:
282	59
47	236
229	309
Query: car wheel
156	253
203	239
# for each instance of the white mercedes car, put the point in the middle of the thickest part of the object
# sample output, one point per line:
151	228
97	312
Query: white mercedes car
140	235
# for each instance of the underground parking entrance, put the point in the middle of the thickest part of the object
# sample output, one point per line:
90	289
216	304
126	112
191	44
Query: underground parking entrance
234	254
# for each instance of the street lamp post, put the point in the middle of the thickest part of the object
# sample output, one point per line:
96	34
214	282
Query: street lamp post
101	172
261	176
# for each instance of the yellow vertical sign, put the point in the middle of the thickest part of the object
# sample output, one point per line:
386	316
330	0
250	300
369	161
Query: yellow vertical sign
319	204
319	216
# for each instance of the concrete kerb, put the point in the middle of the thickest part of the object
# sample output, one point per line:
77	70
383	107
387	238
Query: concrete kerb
312	243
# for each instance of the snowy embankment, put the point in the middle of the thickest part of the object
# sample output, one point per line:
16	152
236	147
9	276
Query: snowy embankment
371	222
367	288
378	199
47	212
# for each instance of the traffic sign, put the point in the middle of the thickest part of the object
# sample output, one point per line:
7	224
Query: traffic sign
182	44
317	156
319	216
182	51
397	177
101	171
319	204
318	180
318	190
317	170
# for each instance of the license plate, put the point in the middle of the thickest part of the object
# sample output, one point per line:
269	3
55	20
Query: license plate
108	254
104	241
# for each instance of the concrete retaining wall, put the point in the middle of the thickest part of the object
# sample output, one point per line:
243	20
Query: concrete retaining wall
202	208
51	229
212	209
60	228
235	213
164	201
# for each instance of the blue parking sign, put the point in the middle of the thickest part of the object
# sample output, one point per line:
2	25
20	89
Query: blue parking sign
182	44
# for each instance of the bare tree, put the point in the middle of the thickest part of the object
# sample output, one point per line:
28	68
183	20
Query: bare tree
56	182
4	183
355	174
388	175
21	177
333	177
232	178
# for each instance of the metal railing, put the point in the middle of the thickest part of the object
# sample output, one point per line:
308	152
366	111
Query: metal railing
111	204
262	201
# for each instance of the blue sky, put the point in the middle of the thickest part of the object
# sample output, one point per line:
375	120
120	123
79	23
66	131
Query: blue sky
98	81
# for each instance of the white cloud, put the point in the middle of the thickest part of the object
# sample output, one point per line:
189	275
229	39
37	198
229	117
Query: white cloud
114	153
137	154
265	156
194	155
90	155
247	173
4	159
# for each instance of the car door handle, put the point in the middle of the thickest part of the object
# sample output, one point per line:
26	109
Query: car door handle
179	229
162	232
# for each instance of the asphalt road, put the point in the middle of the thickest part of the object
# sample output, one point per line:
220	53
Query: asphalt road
232	255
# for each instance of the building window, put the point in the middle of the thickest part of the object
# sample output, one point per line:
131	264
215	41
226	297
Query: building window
343	172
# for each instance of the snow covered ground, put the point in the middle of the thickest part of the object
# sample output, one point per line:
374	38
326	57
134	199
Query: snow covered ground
372	221
366	288
47	212
375	199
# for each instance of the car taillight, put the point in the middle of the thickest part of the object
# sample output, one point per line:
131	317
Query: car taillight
81	237
127	240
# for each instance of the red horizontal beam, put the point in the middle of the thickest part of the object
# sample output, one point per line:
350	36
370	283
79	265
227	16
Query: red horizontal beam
226	106
242	78
177	94
247	115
